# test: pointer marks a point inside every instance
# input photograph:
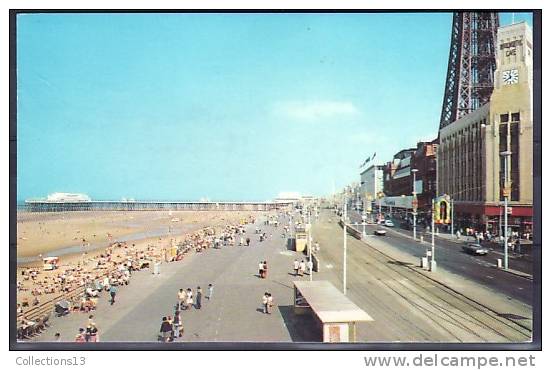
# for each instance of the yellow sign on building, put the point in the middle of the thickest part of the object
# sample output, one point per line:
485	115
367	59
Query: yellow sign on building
441	211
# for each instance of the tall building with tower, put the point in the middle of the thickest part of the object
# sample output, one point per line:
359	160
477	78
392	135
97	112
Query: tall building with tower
476	149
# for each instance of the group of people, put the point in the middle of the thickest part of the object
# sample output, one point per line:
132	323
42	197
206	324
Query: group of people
263	269
172	326
267	303
513	239
88	334
90	274
301	267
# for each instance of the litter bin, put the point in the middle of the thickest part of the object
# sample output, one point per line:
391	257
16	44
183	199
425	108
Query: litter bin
424	262
499	263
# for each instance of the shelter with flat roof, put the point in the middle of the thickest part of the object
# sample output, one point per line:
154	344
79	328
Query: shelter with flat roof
336	313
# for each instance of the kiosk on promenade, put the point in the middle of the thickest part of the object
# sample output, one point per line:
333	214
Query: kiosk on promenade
336	313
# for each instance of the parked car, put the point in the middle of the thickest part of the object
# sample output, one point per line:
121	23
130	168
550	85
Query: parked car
475	249
389	223
380	232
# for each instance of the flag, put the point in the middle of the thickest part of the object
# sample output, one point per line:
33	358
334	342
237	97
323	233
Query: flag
365	162
374	154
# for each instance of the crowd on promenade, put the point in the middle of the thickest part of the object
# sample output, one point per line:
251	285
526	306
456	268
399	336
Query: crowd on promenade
92	277
172	326
112	268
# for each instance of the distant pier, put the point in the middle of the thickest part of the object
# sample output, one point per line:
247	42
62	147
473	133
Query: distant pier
98	205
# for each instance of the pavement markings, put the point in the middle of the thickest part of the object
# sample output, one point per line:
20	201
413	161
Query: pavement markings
287	253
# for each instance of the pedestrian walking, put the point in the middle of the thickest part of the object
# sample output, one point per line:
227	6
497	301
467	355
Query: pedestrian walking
301	268
264	269
265	302
177	324
241	241
296	266
198	298
81	336
248	240
261	269
113	293
171	322
92	333
166	330
209	292
106	284
181	299
269	304
189	298
310	266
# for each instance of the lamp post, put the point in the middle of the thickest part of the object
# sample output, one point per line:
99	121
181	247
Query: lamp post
506	191
379	195
414	171
432	258
451	211
364	218
311	272
344	249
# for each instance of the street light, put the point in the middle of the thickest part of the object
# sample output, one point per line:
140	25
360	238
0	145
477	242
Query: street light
364	217
432	258
414	171
311	272
344	249
506	191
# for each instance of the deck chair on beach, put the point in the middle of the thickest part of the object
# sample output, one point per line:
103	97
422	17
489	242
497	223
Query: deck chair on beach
62	308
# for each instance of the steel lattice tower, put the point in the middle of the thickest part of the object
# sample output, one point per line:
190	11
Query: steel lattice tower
471	64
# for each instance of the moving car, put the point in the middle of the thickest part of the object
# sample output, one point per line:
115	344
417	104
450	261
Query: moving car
380	232
475	249
389	223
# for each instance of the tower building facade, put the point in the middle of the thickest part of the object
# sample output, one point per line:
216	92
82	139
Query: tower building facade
471	168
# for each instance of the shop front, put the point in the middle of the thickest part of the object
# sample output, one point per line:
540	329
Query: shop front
484	217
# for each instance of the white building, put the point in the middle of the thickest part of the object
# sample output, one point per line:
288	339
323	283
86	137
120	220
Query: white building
372	181
68	197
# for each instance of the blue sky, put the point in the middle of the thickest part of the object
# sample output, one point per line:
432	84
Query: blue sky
225	106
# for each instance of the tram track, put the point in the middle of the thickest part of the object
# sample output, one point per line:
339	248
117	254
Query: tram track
451	312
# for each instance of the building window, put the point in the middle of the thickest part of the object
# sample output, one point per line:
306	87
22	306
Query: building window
515	117
515	170
503	131
504	117
502	138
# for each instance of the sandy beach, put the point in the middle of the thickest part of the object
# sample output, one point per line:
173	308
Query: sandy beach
39	233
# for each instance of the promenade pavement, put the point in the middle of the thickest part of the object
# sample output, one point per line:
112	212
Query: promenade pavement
233	314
